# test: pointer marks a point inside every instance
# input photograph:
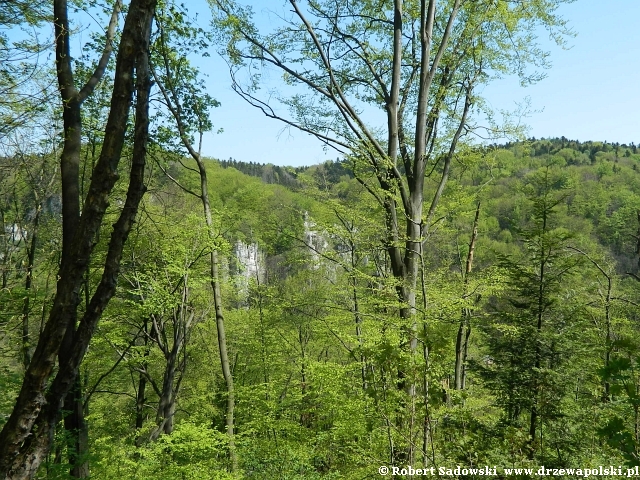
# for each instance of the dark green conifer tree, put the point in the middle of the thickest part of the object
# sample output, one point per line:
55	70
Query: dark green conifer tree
528	341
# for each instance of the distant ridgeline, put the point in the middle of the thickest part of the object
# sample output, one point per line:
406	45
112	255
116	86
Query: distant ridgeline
329	172
552	146
269	173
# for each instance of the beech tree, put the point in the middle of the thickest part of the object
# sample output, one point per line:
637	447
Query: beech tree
183	95
163	278
27	436
419	65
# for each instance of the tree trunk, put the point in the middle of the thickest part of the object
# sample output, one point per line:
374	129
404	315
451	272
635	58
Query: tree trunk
405	262
140	401
166	402
533	418
74	422
217	300
26	306
464	330
142	382
72	99
26	438
172	101
224	360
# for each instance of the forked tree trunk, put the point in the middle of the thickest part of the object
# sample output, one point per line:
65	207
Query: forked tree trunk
72	99
405	261
401	194
166	402
26	438
183	318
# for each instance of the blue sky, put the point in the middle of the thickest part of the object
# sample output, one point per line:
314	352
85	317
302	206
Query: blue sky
592	91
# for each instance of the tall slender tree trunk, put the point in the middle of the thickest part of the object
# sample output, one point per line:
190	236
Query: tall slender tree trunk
464	330
533	418
358	322
173	104
220	324
222	347
26	306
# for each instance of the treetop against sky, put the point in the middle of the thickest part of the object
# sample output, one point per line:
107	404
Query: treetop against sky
589	93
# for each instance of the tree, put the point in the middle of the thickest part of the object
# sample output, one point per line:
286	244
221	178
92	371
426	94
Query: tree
464	330
529	341
26	437
166	282
70	159
183	97
21	97
419	65
622	379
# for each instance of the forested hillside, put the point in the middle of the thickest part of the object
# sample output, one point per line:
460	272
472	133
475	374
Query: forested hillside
430	298
539	317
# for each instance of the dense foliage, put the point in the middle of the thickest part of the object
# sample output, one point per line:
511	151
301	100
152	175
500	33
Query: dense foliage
312	325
